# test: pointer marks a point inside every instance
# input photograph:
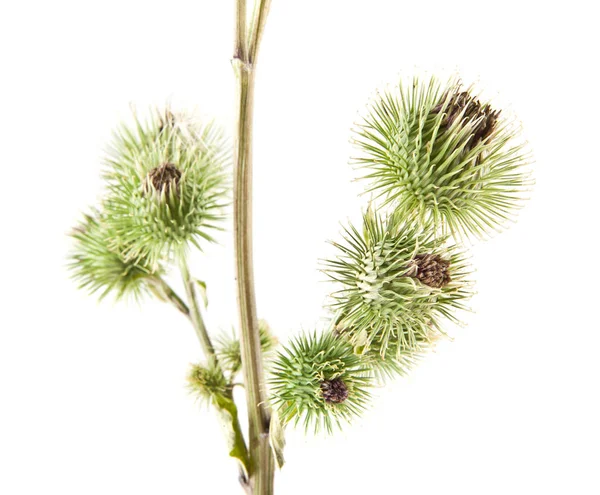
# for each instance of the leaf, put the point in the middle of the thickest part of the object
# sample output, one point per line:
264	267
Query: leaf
277	439
228	415
202	285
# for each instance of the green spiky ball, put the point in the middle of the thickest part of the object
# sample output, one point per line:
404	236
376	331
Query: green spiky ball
317	380
397	284
439	154
166	182
207	382
229	349
97	268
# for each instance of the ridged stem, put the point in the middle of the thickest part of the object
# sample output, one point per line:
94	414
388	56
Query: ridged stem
246	46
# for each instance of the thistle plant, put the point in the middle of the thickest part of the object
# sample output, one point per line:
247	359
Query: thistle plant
441	165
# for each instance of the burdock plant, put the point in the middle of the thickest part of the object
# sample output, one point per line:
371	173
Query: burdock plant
441	165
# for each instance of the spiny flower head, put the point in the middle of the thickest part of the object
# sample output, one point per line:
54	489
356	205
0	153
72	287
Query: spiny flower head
166	185
319	380
207	382
439	154
229	352
397	284
99	268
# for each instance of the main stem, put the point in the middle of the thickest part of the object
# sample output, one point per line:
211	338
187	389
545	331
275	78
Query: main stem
261	458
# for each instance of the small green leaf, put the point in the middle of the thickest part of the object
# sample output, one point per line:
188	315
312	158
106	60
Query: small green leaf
202	285
228	416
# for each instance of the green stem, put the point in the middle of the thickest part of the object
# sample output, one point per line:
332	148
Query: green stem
166	292
195	316
194	311
257	27
245	51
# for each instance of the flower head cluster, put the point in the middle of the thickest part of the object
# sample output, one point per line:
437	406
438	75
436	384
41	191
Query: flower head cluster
166	188
397	284
320	381
438	154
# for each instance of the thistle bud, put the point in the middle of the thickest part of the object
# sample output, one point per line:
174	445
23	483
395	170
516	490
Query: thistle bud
437	153
379	302
229	351
173	158
99	268
206	381
319	380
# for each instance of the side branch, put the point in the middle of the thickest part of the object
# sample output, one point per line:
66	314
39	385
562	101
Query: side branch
257	28
194	312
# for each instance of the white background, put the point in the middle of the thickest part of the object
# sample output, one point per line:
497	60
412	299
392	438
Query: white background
92	395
